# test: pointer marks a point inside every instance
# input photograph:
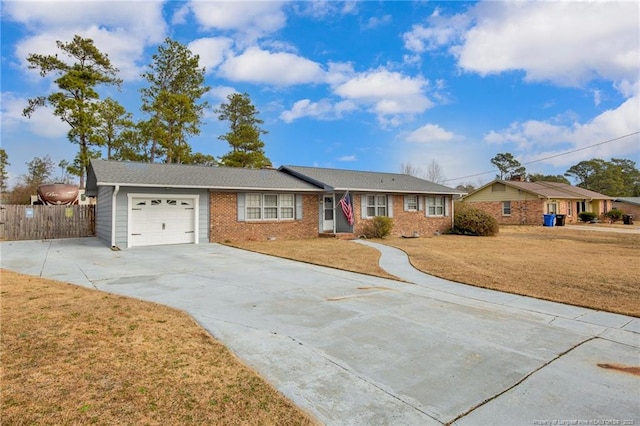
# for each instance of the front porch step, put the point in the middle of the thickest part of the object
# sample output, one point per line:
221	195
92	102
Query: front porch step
338	235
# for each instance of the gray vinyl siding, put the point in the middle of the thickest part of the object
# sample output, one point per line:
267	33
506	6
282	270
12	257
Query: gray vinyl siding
103	213
122	210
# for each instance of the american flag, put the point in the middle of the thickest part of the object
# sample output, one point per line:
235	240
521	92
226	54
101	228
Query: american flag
347	209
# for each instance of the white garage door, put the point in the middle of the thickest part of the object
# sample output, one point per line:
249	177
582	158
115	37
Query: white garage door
155	221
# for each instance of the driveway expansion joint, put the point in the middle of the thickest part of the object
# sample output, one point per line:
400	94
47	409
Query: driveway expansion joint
524	378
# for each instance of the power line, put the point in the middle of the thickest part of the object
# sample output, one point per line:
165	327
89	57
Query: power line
551	156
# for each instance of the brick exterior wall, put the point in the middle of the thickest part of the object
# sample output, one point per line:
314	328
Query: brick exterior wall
522	212
225	226
629	209
529	212
405	222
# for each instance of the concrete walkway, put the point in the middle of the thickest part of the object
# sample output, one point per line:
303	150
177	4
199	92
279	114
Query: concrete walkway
359	350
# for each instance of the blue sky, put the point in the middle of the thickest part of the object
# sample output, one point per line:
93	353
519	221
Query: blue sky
362	85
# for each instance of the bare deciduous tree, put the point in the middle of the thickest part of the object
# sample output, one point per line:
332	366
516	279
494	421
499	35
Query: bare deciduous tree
435	173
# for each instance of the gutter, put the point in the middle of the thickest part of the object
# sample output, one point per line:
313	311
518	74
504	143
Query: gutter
211	188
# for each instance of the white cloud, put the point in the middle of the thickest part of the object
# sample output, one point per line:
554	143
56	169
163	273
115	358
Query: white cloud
212	51
597	97
220	93
430	133
278	69
321	9
376	21
323	110
348	158
42	122
339	72
535	139
568	43
141	18
440	31
548	40
180	15
251	19
122	32
388	94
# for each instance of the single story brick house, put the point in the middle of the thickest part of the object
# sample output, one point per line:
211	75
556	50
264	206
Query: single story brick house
151	203
514	202
628	205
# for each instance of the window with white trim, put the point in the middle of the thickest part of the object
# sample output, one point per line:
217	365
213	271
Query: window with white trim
506	208
411	203
254	206
435	206
287	203
269	206
569	208
376	205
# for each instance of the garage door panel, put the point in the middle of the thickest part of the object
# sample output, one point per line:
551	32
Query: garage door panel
157	221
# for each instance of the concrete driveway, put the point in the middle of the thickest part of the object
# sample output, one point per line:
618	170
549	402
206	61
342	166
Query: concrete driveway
354	349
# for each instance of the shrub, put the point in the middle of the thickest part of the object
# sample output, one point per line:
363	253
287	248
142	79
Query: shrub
614	214
473	221
378	227
587	216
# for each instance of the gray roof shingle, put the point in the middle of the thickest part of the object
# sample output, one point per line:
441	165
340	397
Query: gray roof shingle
125	173
557	190
353	180
629	200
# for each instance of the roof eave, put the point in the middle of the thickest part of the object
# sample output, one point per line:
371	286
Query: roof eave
222	188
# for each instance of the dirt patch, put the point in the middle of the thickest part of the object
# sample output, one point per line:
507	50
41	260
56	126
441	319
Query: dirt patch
621	368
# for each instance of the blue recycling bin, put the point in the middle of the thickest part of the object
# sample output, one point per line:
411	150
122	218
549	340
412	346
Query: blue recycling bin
549	219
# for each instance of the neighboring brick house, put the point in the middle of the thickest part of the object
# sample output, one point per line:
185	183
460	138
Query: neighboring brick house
150	203
629	206
525	203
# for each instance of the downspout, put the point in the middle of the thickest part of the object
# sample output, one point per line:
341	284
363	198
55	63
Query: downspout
113	218
453	222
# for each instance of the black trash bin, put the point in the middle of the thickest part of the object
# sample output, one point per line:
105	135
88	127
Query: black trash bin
627	219
560	219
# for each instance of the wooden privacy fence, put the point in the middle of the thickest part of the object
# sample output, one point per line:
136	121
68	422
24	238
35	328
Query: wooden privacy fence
23	222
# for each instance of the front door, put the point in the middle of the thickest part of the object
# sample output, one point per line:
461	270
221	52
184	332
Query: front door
327	213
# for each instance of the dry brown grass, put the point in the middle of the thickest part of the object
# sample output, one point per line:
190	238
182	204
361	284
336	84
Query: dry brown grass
72	355
322	251
599	270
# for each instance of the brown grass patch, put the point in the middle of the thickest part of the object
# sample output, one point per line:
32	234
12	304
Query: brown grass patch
593	269
335	253
72	355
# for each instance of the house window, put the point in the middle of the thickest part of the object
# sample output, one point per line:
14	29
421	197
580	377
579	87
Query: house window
552	208
506	208
581	206
270	206
569	208
254	206
411	203
286	206
376	205
435	206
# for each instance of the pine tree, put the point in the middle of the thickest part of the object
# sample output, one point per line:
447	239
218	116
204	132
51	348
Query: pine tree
76	102
247	150
176	86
